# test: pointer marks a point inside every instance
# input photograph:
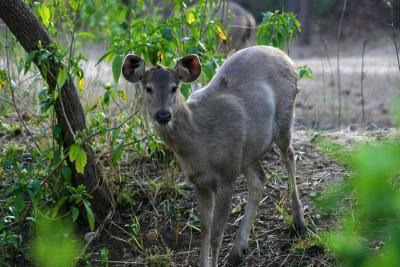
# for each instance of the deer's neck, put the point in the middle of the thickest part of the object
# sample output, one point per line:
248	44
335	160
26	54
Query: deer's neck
180	134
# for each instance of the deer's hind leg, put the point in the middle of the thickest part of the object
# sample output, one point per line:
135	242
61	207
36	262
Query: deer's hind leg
255	188
288	158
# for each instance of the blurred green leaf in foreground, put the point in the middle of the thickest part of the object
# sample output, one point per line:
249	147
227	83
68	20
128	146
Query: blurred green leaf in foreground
54	243
368	204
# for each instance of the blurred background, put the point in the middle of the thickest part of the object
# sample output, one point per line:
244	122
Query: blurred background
369	23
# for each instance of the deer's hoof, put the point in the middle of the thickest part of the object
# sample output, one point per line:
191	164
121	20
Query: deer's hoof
237	255
300	227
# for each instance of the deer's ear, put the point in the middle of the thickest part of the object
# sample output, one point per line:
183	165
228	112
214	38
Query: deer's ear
188	68
133	68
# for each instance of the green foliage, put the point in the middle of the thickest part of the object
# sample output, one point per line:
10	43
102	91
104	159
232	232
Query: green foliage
156	259
77	197
368	203
78	155
104	257
162	41
194	221
277	29
136	238
116	67
44	13
9	242
305	71
54	243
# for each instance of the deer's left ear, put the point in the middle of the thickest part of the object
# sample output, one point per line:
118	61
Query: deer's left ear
188	68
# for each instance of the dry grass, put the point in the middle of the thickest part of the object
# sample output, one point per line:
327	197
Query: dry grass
157	196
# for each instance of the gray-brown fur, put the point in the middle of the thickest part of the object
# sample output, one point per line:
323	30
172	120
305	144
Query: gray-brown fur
241	24
223	130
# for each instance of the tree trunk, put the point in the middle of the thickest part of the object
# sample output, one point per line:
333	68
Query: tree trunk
29	32
303	11
305	20
293	6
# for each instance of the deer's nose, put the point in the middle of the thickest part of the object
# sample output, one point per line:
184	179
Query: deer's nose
163	117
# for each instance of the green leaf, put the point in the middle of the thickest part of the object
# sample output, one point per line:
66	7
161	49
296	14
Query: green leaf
74	4
66	174
54	243
89	214
106	98
117	153
57	130
44	14
75	213
116	67
305	71
28	61
277	28
58	206
167	34
81	86
106	55
19	203
78	155
190	18
185	90
88	35
62	77
122	95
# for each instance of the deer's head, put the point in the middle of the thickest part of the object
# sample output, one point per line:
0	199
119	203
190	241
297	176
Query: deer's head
160	85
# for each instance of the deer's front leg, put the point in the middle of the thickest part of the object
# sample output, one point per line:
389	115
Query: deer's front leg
204	206
222	206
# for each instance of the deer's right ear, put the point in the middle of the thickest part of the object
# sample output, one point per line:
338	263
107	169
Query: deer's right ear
133	68
188	68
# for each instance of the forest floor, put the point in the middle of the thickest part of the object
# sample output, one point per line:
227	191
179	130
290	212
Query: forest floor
157	224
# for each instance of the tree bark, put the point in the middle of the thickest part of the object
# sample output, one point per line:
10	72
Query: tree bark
293	6
305	20
29	32
303	11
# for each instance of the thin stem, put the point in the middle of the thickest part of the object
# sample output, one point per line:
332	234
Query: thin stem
129	21
44	181
73	34
338	65
14	103
203	18
394	34
362	82
7	101
115	127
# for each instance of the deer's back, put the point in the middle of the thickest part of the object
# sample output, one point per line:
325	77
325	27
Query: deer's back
259	85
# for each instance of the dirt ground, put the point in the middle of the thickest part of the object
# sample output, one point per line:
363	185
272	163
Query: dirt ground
173	238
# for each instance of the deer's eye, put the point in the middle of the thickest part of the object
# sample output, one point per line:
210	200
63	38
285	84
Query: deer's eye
173	89
148	90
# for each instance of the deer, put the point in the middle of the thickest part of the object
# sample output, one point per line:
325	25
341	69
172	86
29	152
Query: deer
222	131
241	23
